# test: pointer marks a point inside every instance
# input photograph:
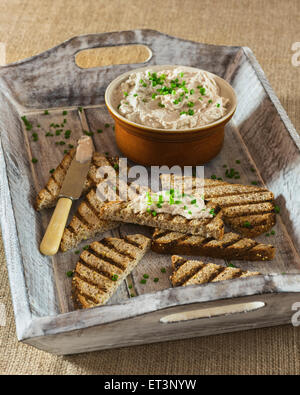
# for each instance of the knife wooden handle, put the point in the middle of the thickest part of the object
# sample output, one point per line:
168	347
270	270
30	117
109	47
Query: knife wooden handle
51	240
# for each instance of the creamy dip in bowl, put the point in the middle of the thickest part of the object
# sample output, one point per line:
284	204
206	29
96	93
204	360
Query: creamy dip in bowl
169	114
173	98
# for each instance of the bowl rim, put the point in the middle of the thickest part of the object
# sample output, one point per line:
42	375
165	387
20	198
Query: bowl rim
211	125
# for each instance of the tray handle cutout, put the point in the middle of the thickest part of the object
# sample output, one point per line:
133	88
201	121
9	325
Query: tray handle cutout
113	55
211	312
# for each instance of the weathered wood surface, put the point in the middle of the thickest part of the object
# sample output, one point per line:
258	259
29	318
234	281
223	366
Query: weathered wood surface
259	136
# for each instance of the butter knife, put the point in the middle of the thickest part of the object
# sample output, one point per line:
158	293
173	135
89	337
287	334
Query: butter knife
71	190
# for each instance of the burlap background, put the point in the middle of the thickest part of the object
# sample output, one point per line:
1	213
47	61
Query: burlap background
269	27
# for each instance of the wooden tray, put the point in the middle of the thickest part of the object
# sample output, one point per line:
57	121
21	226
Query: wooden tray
259	136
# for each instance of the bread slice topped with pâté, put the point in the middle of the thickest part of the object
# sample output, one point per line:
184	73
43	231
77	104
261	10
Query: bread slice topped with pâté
190	272
103	266
232	246
248	209
48	196
207	227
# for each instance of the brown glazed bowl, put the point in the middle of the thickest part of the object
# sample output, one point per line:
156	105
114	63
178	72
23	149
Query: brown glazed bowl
153	146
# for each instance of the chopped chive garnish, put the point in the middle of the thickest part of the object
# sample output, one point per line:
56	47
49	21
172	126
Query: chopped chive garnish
254	182
252	169
156	279
38	125
86	247
194	201
66	151
163	270
130	286
267	234
190	104
191	112
71	146
48	134
132	295
87	133
213	177
135	95
64	112
116	166
62	143
114	277
192	91
230	265
212	212
107	125
51	171
80	109
77	252
154	213
202	91
67	134
70	273
247	224
237	161
143	281
46	112
209	101
146	275
181	74
277	209
34	160
218	105
99	131
125	94
161	105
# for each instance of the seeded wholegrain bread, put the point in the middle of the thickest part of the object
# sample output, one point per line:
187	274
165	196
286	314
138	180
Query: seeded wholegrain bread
248	209
190	272
232	246
103	267
207	227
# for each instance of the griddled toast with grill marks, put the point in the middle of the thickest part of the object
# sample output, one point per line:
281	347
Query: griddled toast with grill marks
87	222
190	272
48	196
208	227
247	209
102	268
232	246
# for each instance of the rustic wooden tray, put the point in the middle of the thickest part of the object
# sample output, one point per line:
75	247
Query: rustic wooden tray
260	136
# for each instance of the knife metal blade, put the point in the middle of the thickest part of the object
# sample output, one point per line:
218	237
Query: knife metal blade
75	178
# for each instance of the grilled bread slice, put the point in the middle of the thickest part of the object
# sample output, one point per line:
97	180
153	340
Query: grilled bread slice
48	196
189	272
232	246
102	268
87	221
207	227
248	209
